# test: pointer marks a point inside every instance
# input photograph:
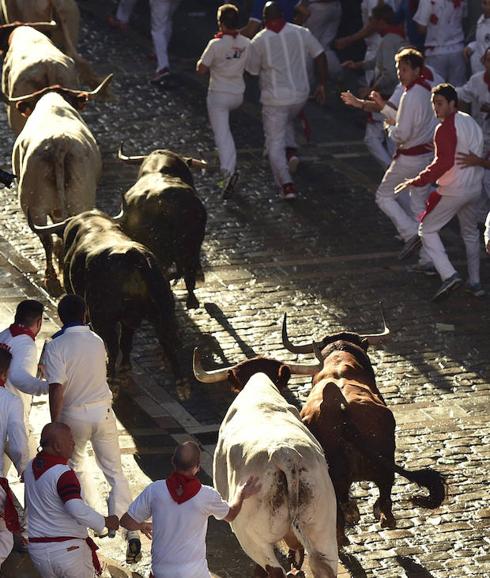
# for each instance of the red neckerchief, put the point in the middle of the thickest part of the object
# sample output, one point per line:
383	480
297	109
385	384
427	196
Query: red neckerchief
18	329
426	73
182	487
221	34
276	24
420	80
43	461
395	29
486	80
9	512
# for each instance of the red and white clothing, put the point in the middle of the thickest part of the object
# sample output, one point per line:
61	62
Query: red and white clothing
12	429
444	41
21	378
226	57
412	135
58	519
480	44
178	547
457	194
77	360
280	59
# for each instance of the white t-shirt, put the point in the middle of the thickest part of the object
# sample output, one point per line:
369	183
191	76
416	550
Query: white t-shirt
477	92
280	60
178	547
77	360
226	58
444	21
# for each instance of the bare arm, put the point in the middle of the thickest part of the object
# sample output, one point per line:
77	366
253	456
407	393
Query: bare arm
250	29
132	525
55	400
246	490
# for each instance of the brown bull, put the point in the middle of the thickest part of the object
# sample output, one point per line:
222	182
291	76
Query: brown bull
347	414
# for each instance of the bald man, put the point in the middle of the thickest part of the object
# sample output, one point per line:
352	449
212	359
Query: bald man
180	507
59	545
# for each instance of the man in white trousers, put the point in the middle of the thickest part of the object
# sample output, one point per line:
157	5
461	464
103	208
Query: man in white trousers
12	428
79	396
323	22
162	12
20	337
458	191
278	55
59	545
224	59
412	131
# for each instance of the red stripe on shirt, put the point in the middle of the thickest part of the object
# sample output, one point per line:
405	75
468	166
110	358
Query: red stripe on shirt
68	487
445	141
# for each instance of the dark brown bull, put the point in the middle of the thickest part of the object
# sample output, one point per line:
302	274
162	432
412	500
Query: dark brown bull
347	414
163	212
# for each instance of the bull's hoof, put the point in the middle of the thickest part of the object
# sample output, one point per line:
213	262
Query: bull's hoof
296	574
388	521
351	513
53	286
192	302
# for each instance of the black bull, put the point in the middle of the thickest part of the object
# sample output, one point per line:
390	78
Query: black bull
163	212
121	282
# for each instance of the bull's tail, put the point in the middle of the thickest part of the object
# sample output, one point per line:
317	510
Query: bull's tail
59	178
288	461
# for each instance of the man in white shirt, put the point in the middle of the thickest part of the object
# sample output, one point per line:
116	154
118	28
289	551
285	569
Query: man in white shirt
79	396
224	58
12	428
476	49
323	22
442	23
20	337
278	54
180	507
59	545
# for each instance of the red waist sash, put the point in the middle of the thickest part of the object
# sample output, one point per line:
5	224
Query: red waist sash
90	543
9	512
415	151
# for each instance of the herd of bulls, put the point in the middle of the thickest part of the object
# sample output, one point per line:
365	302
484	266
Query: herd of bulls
123	266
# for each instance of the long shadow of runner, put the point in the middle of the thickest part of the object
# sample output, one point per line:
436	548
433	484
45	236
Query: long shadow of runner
218	314
352	564
413	569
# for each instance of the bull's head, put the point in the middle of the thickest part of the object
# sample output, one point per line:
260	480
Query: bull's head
138	159
77	98
361	340
7	29
278	372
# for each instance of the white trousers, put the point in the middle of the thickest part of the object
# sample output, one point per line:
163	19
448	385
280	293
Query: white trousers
401	168
279	134
323	23
466	208
484	201
219	106
162	12
378	143
71	559
6	538
125	9
452	67
97	423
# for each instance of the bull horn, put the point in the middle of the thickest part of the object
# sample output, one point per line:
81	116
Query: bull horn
307	369
54	229
102	86
133	160
289	346
208	376
376	338
195	163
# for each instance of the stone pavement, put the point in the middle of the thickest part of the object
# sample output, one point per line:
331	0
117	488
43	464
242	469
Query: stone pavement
327	260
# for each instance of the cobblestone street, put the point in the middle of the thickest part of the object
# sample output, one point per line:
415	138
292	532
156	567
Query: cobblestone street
327	260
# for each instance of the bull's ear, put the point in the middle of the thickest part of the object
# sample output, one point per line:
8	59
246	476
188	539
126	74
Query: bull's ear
365	344
81	101
283	376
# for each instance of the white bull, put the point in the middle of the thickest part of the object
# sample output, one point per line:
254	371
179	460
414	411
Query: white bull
33	62
57	160
263	435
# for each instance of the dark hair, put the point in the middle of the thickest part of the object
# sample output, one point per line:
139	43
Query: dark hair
383	12
228	16
28	312
186	456
71	309
411	56
447	91
5	359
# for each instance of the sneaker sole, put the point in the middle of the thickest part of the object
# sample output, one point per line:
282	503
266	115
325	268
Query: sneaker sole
440	296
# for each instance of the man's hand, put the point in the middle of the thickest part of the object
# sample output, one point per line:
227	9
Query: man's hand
320	94
250	487
469	160
390	121
350	100
377	98
405	185
147	529
112	522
